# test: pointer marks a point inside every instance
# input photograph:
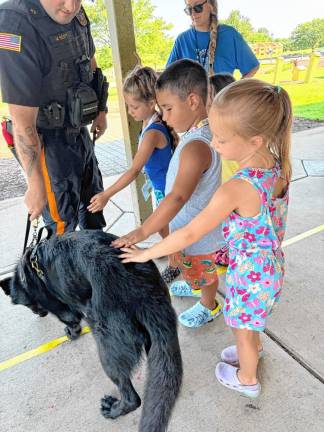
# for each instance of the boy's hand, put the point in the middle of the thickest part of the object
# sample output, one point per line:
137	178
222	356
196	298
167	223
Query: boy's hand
173	260
134	254
98	202
129	239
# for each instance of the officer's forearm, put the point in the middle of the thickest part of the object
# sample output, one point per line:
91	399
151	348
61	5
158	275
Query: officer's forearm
28	148
27	142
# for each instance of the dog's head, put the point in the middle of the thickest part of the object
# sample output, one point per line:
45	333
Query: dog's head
21	286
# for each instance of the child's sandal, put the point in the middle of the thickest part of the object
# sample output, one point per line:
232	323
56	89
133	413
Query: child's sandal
227	376
229	355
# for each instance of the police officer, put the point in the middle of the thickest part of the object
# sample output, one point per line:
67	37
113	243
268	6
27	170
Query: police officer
50	79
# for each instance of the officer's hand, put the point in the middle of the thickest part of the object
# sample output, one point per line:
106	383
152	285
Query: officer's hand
98	202
35	200
129	239
99	124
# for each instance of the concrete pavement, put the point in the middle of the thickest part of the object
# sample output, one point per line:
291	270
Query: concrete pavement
61	389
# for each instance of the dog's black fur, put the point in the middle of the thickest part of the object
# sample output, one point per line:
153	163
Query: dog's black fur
127	307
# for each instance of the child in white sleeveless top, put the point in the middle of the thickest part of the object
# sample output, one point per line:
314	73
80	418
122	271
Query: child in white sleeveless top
193	176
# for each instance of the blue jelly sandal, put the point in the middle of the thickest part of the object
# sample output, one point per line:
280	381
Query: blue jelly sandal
182	289
198	315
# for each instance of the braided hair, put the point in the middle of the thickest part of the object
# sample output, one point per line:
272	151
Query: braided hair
140	83
213	34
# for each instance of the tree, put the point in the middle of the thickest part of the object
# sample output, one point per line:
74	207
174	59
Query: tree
308	35
152	42
241	23
97	15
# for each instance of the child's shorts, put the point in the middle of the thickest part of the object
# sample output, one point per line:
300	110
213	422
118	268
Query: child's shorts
197	270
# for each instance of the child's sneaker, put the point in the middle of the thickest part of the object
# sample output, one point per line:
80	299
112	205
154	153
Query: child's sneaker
227	376
198	315
170	273
183	289
229	355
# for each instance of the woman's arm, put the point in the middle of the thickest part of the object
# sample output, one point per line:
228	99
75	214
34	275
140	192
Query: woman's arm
251	73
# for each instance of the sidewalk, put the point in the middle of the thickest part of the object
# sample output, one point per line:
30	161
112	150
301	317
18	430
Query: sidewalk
61	389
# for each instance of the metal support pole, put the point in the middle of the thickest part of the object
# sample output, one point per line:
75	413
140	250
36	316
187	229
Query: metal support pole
121	27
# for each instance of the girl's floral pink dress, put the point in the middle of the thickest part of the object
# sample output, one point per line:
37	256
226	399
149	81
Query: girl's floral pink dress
255	273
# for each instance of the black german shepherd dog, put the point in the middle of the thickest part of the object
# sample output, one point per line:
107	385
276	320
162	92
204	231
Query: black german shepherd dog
127	306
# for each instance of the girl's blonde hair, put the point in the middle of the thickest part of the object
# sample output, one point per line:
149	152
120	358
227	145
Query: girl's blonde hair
253	108
140	83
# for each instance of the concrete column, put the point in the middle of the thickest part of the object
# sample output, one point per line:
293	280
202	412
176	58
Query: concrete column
121	27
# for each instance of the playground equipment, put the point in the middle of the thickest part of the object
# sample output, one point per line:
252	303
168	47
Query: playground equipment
298	68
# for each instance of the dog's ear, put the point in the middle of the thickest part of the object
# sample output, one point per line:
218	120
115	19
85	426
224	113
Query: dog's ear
5	285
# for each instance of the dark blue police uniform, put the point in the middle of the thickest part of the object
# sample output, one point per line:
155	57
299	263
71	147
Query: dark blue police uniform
47	65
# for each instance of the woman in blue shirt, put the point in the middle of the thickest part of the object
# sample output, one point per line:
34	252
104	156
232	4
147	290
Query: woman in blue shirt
217	47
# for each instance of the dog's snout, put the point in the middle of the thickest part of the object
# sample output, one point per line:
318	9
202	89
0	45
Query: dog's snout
38	311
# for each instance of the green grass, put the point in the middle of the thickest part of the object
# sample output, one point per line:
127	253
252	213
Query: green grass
307	99
312	111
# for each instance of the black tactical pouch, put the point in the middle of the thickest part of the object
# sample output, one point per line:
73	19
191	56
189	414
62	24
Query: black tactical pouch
101	87
82	105
51	116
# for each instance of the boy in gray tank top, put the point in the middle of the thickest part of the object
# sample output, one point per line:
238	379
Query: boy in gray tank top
194	175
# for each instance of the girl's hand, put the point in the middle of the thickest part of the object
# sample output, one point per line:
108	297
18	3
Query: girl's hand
134	254
98	202
129	239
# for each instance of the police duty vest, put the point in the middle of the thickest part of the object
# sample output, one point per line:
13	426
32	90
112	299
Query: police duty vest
70	60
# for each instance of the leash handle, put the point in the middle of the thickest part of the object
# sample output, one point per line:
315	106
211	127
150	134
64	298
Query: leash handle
36	235
27	232
94	137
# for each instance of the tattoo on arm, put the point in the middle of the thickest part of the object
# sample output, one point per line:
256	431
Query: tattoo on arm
28	147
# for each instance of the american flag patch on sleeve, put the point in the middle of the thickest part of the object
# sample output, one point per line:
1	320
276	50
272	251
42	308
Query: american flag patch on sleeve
10	42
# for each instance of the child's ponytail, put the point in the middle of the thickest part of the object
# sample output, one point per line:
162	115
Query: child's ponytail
256	108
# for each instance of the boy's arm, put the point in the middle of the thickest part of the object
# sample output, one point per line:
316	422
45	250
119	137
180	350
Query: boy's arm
195	159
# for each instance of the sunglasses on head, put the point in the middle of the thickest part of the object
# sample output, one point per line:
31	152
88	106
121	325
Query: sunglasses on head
198	8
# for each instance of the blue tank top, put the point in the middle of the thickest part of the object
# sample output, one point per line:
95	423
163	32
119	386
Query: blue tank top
157	166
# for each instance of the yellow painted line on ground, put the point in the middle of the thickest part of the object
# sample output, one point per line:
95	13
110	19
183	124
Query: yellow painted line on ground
56	342
37	351
302	236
